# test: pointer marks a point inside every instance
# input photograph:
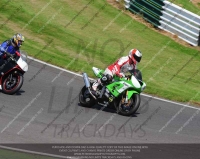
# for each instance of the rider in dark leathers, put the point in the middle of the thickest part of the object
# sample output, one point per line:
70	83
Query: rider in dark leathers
10	46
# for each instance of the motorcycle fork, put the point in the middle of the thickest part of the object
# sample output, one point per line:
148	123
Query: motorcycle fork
10	78
126	99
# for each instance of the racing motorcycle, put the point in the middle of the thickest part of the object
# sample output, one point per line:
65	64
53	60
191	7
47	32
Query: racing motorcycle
122	94
12	71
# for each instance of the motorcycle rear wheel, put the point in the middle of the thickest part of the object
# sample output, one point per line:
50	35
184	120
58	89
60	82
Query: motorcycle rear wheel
85	98
12	83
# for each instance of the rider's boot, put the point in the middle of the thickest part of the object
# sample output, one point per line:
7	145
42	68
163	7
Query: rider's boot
95	86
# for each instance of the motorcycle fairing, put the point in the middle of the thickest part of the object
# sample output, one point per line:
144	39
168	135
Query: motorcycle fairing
121	84
22	64
118	87
98	72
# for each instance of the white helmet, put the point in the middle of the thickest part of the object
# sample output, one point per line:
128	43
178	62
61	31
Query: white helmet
135	55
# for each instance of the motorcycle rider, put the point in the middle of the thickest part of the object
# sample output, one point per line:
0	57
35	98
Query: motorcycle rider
121	66
10	46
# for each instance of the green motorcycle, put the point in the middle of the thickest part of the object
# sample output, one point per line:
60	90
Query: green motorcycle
122	94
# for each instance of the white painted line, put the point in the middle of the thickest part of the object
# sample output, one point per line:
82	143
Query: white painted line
58	75
54	66
37	14
172	119
32	101
112	21
169	101
126	25
187	122
33	152
71	80
32	119
146	95
72	61
158	53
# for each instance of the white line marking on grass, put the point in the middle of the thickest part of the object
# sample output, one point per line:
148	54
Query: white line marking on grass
113	20
52	18
72	61
126	25
158	53
37	14
32	101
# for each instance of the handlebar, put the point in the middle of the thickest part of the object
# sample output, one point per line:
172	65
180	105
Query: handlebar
12	57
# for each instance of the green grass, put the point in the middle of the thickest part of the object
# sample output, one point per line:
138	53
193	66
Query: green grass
165	58
187	4
8	154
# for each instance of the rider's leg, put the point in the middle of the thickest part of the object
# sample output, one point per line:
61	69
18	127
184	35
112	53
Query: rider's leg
1	63
96	84
107	77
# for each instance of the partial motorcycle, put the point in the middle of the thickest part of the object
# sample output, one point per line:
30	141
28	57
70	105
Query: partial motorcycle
122	94
12	71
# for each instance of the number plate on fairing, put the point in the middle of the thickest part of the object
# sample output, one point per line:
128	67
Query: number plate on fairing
124	87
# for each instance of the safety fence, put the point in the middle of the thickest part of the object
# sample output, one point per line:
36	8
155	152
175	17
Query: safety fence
169	17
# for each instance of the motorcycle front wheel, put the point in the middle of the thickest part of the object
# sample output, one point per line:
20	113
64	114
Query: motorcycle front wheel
12	83
128	108
85	98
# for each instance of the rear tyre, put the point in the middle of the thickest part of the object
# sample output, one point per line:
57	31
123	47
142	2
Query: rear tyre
129	108
12	83
85	98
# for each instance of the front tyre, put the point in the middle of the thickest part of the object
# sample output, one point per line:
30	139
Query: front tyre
12	83
85	98
129	108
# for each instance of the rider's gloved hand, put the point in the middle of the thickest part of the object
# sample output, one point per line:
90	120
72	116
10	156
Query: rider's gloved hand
7	54
121	75
128	76
17	53
4	56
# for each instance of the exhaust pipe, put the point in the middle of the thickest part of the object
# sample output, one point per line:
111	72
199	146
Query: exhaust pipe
86	80
87	84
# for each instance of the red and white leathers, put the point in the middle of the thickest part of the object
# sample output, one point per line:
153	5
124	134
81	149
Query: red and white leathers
121	66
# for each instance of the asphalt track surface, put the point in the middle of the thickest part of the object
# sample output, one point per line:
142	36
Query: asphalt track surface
47	110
